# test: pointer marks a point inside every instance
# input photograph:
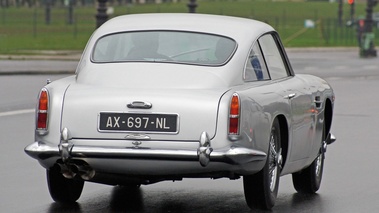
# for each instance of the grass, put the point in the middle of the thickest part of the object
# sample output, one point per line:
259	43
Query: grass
23	29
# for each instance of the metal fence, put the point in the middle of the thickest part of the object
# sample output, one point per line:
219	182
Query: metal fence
76	26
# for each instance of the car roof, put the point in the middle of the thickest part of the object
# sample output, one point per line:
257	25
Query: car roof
244	31
233	27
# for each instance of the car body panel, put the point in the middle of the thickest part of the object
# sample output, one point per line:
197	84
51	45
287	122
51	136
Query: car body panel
86	102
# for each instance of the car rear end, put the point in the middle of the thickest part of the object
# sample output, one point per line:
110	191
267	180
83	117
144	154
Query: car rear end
148	118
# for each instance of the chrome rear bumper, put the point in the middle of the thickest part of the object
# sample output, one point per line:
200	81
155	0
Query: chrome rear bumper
231	155
330	139
83	160
204	153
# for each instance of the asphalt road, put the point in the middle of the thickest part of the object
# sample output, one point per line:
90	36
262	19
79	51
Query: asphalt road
350	173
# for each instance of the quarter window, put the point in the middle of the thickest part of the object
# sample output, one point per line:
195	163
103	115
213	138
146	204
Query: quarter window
255	66
273	57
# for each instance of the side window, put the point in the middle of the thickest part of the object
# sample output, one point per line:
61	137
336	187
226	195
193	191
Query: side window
255	66
273	57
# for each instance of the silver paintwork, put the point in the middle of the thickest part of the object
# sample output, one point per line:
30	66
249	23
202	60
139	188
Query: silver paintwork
200	95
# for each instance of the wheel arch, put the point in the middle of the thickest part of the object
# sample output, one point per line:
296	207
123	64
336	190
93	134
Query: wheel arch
283	136
328	115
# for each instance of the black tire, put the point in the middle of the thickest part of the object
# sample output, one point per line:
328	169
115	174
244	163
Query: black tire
61	189
308	180
261	189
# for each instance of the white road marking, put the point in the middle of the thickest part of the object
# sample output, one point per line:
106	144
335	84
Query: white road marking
311	68
340	67
370	67
16	112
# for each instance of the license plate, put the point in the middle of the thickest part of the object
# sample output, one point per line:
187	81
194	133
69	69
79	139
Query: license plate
138	122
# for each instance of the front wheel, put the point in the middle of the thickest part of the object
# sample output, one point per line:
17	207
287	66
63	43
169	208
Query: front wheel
61	189
261	189
308	180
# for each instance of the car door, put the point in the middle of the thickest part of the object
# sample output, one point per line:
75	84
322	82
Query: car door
296	94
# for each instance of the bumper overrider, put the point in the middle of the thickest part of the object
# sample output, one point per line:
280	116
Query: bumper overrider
66	151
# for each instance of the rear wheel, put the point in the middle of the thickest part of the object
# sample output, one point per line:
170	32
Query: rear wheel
61	189
261	189
308	180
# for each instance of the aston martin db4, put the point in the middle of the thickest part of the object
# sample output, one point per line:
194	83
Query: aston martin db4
160	97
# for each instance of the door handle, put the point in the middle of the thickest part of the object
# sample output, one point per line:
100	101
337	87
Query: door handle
139	105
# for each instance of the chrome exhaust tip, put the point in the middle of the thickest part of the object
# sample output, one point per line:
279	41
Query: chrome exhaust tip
71	170
66	171
86	172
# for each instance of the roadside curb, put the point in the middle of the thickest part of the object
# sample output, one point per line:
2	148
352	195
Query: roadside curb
55	72
75	57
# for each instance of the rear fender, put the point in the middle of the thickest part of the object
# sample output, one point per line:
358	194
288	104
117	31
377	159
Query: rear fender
56	96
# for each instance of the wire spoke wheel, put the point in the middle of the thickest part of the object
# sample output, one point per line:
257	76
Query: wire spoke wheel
308	180
273	164
261	189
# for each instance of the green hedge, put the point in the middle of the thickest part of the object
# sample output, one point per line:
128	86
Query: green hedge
25	28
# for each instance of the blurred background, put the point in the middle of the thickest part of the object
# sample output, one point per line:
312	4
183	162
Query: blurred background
59	25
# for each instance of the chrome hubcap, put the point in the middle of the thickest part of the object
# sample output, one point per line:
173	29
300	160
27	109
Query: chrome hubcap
275	162
319	159
318	165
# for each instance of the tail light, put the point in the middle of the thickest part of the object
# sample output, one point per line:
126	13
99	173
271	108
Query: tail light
42	111
234	115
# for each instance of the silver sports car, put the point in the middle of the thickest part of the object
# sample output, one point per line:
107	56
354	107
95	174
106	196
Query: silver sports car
170	96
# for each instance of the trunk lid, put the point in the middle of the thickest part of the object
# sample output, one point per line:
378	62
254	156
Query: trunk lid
101	112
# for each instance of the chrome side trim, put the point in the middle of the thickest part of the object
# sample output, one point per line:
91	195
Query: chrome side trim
330	139
137	136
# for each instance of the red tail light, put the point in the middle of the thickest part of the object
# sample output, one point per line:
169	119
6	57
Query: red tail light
234	115
42	110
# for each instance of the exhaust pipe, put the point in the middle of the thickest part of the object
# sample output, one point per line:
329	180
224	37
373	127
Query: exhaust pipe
71	170
85	171
66	171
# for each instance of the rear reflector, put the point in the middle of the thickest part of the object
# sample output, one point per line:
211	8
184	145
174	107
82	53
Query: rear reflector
42	110
234	115
42	118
